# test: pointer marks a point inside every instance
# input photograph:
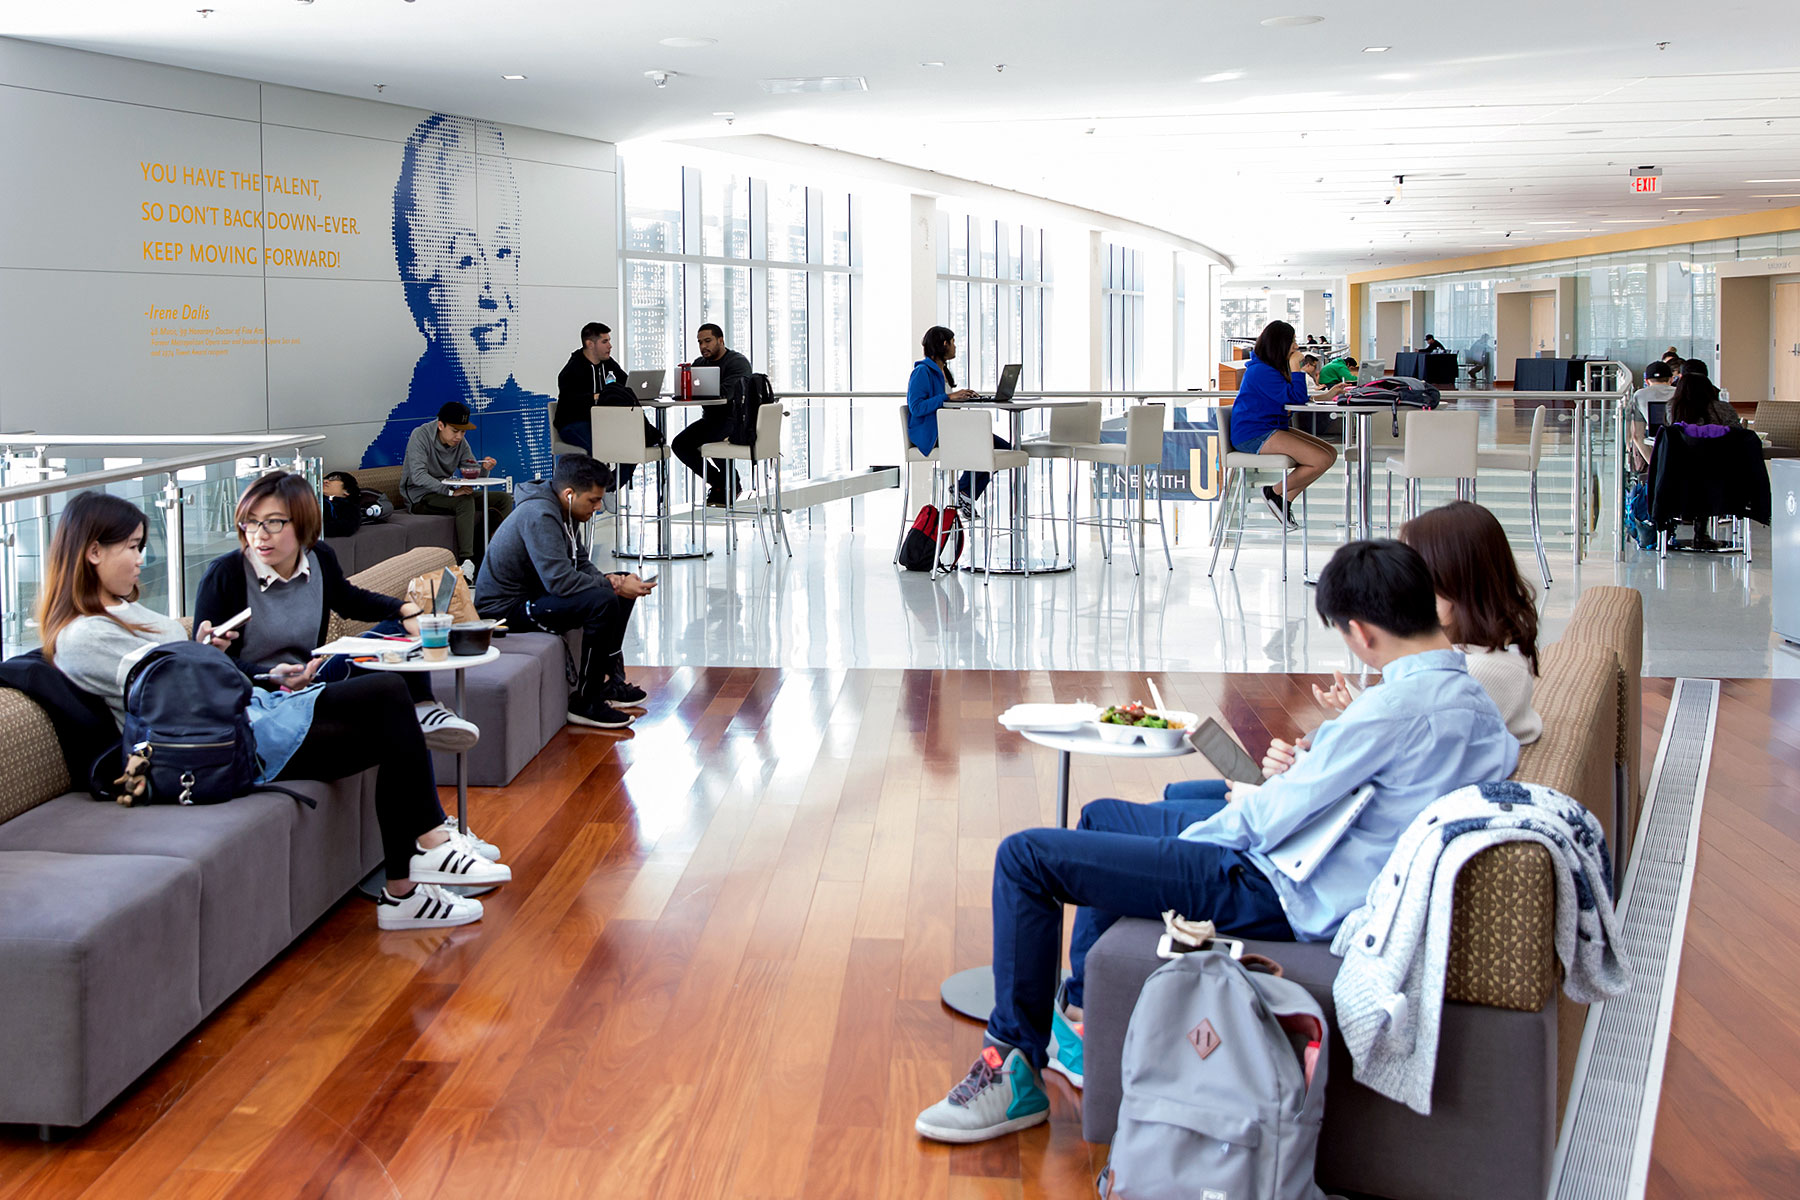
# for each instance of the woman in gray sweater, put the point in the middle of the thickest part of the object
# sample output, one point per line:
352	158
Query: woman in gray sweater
95	632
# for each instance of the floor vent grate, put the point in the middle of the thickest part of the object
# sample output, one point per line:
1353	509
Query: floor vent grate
1604	1151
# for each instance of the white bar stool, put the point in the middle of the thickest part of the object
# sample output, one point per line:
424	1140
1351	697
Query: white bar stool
764	457
1439	445
1237	465
618	435
1141	450
911	455
1524	460
1072	426
966	443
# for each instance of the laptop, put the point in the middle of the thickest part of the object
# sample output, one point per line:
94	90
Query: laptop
1658	416
1009	382
1299	854
706	381
645	385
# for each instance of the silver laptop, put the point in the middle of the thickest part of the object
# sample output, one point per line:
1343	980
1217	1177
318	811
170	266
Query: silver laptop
706	381
1009	382
1299	854
645	385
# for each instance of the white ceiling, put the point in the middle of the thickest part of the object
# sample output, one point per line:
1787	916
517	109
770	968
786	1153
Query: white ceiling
1523	118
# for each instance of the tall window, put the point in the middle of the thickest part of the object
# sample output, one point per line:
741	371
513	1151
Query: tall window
769	262
992	277
1122	320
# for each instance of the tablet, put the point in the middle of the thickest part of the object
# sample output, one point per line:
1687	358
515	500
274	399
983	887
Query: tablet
1222	751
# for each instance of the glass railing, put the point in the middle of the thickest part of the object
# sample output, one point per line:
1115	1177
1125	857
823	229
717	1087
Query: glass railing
187	489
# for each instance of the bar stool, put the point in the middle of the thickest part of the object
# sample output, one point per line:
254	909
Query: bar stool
966	443
1142	449
618	435
1071	426
1439	445
911	455
1238	464
763	453
1524	460
558	447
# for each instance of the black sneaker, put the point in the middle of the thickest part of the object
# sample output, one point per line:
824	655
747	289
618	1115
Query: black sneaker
595	714
1283	512
619	690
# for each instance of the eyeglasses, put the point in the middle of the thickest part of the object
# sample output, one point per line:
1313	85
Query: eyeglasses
271	527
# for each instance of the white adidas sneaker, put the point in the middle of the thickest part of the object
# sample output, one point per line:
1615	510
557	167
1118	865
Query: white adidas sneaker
457	862
427	906
486	849
444	730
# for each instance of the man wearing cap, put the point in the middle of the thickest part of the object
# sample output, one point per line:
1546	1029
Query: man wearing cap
437	452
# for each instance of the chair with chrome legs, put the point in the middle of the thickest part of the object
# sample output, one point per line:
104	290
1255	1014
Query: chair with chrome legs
910	455
618	435
764	457
1141	451
1524	460
1072	427
1439	445
966	443
1235	499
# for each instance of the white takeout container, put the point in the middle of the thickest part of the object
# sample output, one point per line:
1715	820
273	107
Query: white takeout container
1155	739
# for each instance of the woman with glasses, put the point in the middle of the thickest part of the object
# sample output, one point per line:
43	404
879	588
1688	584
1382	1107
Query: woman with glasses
95	632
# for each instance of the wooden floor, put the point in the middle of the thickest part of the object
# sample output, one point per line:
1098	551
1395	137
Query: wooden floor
717	973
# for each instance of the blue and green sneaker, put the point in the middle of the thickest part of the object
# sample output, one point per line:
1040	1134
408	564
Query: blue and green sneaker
1000	1094
1065	1040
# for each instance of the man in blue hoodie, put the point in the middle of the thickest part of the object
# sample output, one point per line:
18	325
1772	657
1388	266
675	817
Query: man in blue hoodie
537	576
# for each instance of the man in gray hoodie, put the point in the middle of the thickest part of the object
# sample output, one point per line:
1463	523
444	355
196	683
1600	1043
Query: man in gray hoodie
537	576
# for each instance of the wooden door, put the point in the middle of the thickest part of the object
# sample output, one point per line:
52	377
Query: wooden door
1543	324
1786	330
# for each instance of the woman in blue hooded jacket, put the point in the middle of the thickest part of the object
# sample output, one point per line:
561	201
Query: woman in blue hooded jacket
926	392
1259	417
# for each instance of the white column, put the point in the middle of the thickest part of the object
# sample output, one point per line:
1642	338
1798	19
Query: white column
899	303
1074	336
1312	312
1158	368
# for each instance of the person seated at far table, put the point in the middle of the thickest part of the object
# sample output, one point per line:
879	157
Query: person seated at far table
1433	346
1260	421
1339	370
714	423
926	393
437	452
1428	730
1658	387
592	377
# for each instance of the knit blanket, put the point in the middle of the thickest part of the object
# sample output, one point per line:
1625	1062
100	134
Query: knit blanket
1390	990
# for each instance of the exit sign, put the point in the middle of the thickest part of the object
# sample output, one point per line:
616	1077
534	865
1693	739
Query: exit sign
1646	181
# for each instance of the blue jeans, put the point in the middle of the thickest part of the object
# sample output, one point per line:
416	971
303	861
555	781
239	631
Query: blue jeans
1121	860
973	483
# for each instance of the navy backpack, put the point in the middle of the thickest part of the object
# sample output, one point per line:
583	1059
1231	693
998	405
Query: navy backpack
187	717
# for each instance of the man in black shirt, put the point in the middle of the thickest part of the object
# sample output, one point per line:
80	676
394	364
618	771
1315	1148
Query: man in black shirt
586	380
714	423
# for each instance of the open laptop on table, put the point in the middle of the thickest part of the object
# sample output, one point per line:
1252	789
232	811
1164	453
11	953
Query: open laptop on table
706	381
645	385
1009	382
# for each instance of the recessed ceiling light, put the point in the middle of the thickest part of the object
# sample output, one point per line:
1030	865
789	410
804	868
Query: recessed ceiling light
1633	221
1772	181
817	83
1773	196
1566	221
1573	132
1376	49
1690	197
1290	22
933	63
689	43
512	77
727	115
1396	76
1221	77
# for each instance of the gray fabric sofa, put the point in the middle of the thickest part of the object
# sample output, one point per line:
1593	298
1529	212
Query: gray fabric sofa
402	531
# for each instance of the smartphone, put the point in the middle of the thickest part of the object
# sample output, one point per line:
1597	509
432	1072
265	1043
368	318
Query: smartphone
232	624
271	680
649	579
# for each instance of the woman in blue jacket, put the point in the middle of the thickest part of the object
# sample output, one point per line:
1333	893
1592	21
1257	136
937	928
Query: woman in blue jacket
1259	418
926	392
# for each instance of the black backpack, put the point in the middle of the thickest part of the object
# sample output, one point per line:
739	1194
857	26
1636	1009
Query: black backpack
744	405
1401	391
919	548
187	717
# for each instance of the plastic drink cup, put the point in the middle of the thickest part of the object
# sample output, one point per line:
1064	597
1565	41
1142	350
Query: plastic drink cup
434	635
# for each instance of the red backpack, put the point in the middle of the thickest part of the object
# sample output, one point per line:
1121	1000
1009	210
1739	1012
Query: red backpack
920	546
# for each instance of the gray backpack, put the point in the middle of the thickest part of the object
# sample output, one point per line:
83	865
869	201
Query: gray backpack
1217	1104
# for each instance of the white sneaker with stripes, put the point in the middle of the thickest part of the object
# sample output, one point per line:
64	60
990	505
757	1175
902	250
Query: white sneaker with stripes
444	730
427	906
456	861
486	849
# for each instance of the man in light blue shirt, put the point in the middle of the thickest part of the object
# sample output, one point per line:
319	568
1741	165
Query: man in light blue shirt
1428	730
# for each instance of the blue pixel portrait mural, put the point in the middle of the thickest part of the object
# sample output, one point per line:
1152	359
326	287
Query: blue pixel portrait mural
456	244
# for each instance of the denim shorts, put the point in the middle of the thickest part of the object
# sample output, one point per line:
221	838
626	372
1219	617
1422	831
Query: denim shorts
1252	444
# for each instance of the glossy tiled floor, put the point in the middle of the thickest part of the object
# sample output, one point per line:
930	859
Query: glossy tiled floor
840	602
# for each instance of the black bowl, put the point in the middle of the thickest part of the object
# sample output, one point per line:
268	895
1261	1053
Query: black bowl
471	638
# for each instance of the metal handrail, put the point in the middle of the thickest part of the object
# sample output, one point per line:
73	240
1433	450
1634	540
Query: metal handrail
33	438
158	466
